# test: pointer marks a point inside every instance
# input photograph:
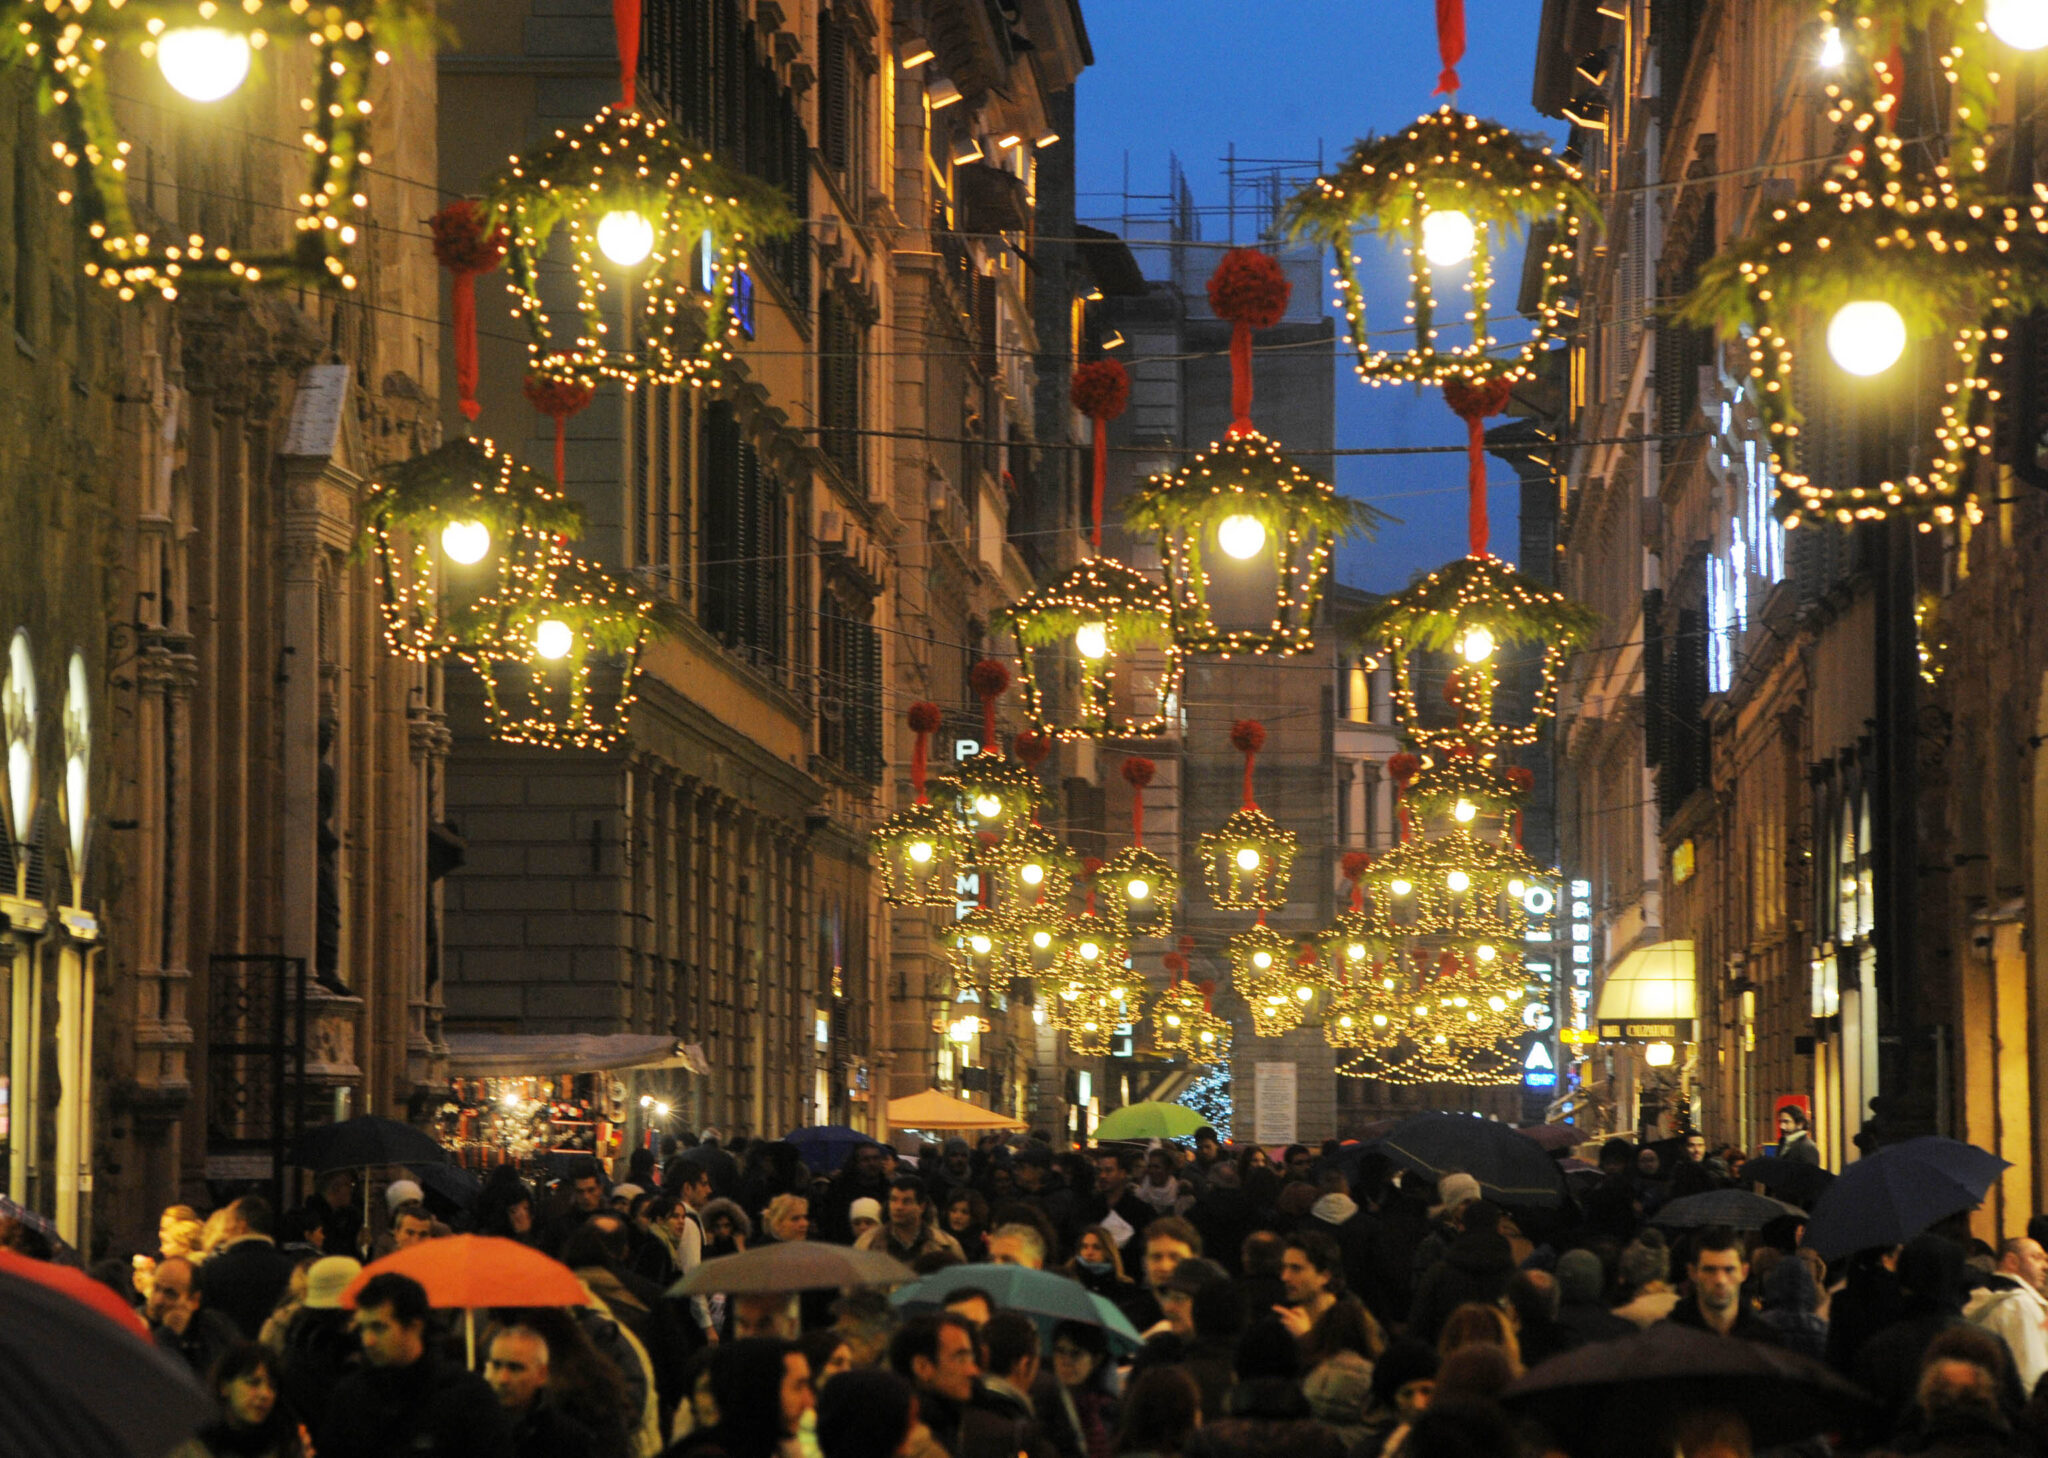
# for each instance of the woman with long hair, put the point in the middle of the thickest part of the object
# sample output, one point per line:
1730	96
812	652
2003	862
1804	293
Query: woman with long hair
1338	1355
1080	1360
1162	1409
583	1381
1099	1267
1478	1324
505	1208
965	1218
253	1422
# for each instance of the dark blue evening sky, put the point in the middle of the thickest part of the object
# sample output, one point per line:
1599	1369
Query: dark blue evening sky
1278	78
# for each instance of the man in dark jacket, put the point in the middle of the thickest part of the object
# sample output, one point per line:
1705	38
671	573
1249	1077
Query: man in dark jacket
405	1400
864	1176
1476	1267
1046	1190
1580	1278
517	1371
1113	1195
936	1353
245	1277
1338	1216
1715	1302
179	1321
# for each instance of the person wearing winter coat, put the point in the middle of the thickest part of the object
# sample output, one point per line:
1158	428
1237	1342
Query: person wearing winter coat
1266	1415
1791	1307
2010	1305
1476	1267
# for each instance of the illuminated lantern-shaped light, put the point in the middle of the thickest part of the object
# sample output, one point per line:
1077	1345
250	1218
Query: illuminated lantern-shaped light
1248	859
1262	969
1029	867
628	194
560	672
1096	654
919	851
980	951
463	539
993	794
1445	188
1141	885
1427	633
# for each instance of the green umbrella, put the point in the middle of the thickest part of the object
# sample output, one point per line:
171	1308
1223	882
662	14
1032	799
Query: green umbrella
1150	1121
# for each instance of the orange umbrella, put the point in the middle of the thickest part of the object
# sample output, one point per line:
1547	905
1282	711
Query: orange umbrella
469	1271
78	1286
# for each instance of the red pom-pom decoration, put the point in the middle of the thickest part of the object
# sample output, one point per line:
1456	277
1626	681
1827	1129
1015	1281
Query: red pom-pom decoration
1249	287
1248	736
990	678
1175	963
1139	772
558	400
460	243
1090	865
1032	748
1477	399
1354	864
1403	767
1101	390
924	718
1521	780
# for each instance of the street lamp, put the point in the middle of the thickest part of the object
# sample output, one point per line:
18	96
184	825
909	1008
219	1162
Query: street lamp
1448	237
625	237
203	62
1866	337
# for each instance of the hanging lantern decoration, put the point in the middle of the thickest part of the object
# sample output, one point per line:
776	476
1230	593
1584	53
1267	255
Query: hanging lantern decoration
1443	189
1039	934
1028	867
1262	968
1101	391
656	240
979	949
1270	522
1142	885
1354	944
462	538
558	400
1184	1021
205	52
1455	882
1466	614
1097	654
1246	861
1463	786
561	673
993	794
919	851
464	247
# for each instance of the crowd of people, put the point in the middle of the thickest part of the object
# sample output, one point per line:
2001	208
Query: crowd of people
1324	1304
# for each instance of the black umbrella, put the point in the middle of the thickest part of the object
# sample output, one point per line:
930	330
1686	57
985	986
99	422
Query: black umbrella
1509	1166
722	1167
75	1383
1889	1197
458	1186
1788	1179
364	1141
1736	1209
1619	1396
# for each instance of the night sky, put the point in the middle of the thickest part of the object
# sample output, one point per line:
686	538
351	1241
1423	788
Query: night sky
1188	78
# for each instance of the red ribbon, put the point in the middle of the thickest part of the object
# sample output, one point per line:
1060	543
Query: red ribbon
1240	379
1450	43
1101	475
917	765
558	399
462	315
626	21
1473	402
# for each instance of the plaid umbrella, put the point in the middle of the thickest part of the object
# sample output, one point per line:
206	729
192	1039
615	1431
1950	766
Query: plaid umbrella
35	1220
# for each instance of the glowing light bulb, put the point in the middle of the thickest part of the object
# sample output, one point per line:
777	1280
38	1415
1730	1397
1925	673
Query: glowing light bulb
1207	1036
1464	812
1399	887
1304	992
1262	960
981	944
1516	887
1832	53
509	1099
921	852
1173	1020
2021	24
1484	952
1038	1016
1379	1020
647	1101
1138	889
1356	951
1092	639
1345	1021
1660	1055
1866	337
1241	536
466	541
1041	940
1477	645
203	62
1031	873
1247	858
660	1110
1090	951
1458	881
988	807
625	237
1448	237
553	638
1498	1004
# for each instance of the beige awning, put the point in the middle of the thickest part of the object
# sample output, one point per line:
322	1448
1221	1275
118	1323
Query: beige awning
1649	996
934	1110
551	1055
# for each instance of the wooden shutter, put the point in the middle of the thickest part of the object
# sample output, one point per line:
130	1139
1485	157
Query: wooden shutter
834	96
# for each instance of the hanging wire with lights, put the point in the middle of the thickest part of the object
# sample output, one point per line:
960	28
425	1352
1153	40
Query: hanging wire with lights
1096	654
206	51
920	851
1246	861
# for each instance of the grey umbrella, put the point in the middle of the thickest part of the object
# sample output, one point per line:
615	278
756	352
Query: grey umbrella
793	1265
1736	1209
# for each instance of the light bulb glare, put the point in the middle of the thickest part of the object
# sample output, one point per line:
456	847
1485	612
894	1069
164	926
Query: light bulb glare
2021	24
1247	858
1458	881
466	542
1400	887
1464	812
625	237
553	638
1031	874
1138	889
1832	52
1092	640
988	807
1448	237
203	62
1241	536
1866	337
1477	645
921	852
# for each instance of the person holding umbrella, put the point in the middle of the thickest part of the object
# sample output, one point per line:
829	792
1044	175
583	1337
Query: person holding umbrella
1718	1271
405	1399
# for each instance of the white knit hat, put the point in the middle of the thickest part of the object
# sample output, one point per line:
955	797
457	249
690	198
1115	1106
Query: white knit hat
1455	1189
399	1191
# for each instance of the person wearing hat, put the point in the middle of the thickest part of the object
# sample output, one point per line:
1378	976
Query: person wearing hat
319	1344
1403	1378
863	1215
1580	1279
1177	1295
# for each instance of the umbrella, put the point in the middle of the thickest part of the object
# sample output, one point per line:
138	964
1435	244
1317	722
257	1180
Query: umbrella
1044	1296
1150	1121
35	1220
824	1147
722	1167
1736	1209
1550	1138
78	1375
793	1265
363	1141
1891	1196
458	1186
1605	1395
1510	1169
1788	1179
468	1271
934	1110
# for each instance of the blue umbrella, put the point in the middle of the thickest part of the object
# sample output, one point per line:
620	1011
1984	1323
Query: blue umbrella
824	1147
1891	1196
1044	1296
1509	1166
1788	1179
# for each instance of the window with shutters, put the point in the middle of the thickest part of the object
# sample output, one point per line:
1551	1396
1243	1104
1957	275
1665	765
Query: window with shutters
842	365
659	418
744	530
845	85
849	678
1675	683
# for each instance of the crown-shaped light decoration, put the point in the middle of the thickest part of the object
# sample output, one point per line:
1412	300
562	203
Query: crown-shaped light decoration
1096	654
1246	861
1263	968
462	537
205	51
992	793
1442	188
920	852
